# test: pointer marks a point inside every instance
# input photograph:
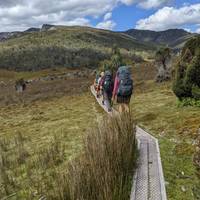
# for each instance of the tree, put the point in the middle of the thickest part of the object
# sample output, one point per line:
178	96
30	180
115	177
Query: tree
163	58
116	59
105	65
114	63
187	73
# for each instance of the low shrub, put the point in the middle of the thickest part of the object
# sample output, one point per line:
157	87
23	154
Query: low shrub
188	102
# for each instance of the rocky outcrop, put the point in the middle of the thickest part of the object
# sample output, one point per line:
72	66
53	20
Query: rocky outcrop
46	27
8	35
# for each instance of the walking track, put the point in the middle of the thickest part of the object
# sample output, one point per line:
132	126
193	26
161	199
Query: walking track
148	181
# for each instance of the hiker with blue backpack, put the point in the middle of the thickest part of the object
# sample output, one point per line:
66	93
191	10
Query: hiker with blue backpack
123	88
107	89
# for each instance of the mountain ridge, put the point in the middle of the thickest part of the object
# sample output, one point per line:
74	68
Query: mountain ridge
174	38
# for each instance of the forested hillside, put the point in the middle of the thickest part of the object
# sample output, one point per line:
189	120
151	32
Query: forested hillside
66	47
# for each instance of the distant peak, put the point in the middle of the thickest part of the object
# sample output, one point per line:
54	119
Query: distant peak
32	30
46	27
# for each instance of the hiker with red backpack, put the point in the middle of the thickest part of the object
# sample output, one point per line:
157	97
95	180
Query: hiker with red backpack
123	88
107	85
99	85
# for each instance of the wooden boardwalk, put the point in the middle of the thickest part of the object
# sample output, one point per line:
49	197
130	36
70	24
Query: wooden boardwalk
148	181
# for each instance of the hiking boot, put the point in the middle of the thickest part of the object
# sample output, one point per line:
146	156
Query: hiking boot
109	110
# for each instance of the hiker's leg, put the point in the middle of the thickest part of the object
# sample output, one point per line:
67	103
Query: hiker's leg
107	101
127	104
98	92
120	109
104	97
110	100
126	108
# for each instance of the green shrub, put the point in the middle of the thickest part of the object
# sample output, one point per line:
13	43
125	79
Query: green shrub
114	63
188	102
104	65
187	71
196	92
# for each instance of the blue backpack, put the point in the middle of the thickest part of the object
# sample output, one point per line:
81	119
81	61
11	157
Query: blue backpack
126	82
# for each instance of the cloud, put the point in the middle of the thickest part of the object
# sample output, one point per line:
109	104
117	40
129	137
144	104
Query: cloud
188	30
107	16
22	14
148	4
109	25
107	22
8	3
197	30
170	17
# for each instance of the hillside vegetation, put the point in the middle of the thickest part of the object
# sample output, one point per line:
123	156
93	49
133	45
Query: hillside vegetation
65	46
173	38
187	71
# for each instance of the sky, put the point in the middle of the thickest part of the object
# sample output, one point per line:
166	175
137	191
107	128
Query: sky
117	15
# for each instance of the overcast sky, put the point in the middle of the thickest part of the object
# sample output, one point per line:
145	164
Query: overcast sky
107	14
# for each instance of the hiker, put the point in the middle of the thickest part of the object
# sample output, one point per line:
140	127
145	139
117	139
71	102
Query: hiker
99	83
107	88
96	80
123	88
20	85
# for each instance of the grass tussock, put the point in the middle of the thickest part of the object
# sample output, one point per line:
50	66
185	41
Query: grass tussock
105	169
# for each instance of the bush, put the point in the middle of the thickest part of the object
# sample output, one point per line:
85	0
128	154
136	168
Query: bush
104	65
187	72
105	169
114	63
196	157
163	62
188	102
196	92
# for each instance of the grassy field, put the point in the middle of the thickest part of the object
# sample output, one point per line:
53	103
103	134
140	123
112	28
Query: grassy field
51	140
37	141
41	130
155	108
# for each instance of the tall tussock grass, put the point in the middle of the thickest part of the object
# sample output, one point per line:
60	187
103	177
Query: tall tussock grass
105	169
